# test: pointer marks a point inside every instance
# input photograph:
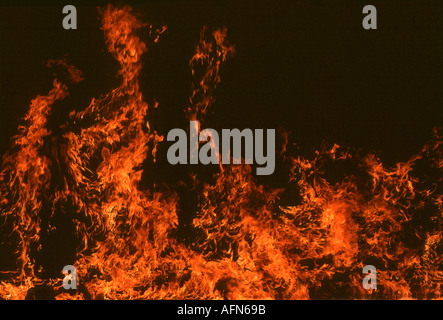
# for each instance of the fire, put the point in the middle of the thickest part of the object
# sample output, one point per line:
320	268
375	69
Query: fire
244	241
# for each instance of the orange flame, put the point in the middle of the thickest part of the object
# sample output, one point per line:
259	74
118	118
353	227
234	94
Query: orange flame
246	244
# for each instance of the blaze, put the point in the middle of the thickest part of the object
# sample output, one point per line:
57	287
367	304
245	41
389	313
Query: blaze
338	210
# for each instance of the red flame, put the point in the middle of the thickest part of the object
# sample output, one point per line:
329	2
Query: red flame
246	244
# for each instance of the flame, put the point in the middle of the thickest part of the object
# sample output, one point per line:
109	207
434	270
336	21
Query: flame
210	53
244	241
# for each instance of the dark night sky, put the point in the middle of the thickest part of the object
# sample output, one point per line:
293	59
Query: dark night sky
307	66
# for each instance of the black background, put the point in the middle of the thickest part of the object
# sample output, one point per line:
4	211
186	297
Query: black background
306	66
274	309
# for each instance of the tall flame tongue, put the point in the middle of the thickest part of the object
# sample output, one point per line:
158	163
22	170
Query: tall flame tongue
310	239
